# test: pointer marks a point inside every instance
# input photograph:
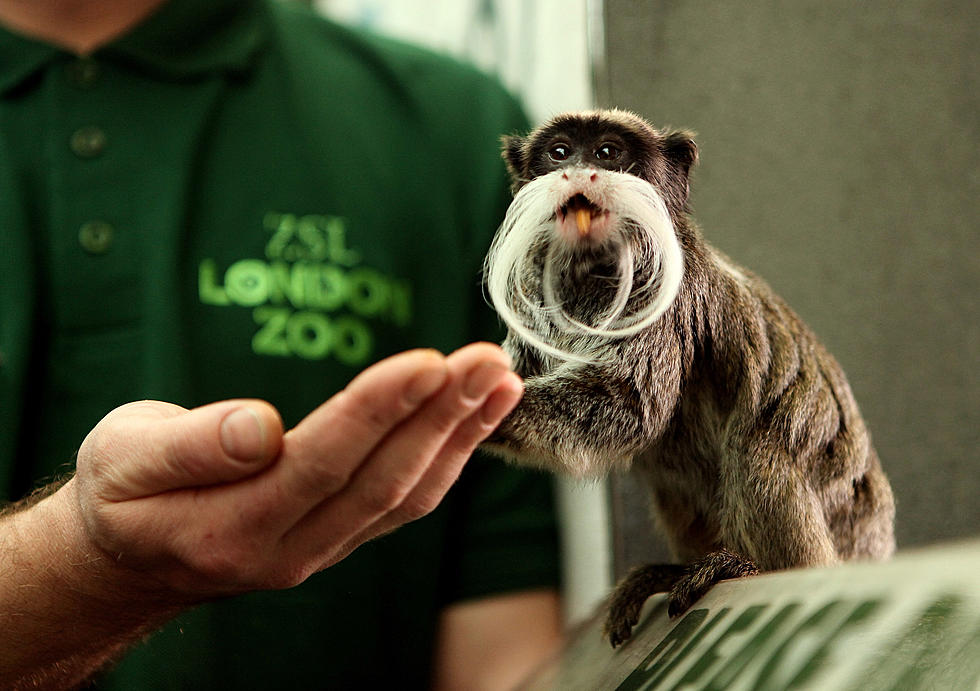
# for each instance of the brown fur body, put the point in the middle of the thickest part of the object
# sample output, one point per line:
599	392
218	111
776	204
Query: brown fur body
738	421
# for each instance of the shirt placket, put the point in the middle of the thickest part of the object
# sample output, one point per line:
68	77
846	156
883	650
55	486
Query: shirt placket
93	248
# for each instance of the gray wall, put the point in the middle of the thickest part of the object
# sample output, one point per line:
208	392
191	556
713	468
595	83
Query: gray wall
839	159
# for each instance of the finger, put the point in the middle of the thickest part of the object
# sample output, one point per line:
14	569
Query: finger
453	455
322	452
443	472
409	455
399	462
151	447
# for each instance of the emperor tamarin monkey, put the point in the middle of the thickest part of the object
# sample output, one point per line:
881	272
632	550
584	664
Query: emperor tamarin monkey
642	346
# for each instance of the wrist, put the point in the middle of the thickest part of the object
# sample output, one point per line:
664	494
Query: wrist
79	608
82	569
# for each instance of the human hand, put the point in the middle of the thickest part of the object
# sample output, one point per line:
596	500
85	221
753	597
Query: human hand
218	500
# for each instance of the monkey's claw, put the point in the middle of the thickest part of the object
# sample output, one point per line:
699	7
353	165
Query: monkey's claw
619	628
624	613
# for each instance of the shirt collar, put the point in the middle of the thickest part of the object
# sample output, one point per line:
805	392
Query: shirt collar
182	39
20	57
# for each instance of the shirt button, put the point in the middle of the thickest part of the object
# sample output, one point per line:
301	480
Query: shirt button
83	73
88	141
95	237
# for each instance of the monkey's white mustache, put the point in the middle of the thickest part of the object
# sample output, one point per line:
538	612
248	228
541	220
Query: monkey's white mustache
616	214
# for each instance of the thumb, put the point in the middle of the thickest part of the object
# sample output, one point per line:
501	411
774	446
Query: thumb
150	447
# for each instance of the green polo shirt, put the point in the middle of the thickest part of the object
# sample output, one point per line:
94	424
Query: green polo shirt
241	199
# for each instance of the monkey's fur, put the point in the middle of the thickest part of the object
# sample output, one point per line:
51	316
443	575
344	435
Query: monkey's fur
741	425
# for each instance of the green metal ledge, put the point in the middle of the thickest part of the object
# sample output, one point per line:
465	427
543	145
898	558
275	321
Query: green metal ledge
910	623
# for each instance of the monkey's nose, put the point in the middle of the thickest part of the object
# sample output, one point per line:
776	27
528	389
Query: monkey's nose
564	176
593	176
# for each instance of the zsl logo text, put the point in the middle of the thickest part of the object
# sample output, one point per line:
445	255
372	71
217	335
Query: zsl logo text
310	295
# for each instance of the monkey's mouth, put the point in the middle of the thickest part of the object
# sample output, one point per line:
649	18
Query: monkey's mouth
583	210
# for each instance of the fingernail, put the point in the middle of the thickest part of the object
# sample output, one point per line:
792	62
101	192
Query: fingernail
243	435
425	383
482	379
502	402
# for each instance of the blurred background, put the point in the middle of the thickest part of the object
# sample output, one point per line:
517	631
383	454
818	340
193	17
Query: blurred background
840	159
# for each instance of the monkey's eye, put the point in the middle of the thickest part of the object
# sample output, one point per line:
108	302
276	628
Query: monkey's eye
607	152
559	152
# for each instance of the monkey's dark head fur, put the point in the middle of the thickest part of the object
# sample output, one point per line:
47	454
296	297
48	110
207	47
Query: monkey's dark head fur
642	346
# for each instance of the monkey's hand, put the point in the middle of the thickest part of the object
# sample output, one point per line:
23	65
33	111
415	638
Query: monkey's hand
701	575
686	585
632	592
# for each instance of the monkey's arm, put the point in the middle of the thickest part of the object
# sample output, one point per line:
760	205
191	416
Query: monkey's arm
583	419
568	424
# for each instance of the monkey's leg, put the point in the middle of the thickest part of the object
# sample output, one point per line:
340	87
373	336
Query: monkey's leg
703	574
635	589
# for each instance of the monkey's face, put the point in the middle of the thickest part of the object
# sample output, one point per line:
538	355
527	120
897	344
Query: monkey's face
605	140
587	253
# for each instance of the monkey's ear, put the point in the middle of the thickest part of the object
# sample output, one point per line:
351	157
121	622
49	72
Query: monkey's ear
681	152
514	155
